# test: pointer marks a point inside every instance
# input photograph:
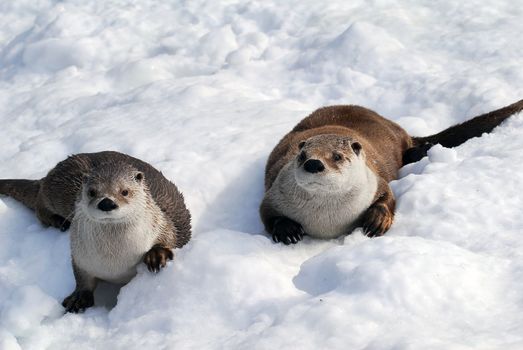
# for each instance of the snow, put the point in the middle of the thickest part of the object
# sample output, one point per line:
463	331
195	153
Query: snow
203	90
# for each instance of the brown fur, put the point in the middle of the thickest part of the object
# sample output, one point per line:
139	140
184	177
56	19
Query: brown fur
387	148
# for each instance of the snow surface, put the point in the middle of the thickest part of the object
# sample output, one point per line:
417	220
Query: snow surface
203	90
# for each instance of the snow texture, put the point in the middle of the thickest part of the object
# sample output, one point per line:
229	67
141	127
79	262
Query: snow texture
203	90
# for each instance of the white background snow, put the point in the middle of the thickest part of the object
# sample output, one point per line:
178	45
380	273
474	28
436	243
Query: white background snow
204	90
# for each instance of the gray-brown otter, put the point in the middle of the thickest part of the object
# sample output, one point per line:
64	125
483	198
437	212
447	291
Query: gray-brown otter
120	209
330	174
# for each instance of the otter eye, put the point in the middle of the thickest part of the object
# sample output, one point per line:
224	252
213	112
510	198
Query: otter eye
92	193
302	156
125	193
337	157
356	147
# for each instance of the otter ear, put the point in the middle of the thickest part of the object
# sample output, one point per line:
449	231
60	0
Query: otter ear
356	147
301	144
138	176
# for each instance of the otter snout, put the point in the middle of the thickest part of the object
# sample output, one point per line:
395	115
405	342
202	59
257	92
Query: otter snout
313	166
107	205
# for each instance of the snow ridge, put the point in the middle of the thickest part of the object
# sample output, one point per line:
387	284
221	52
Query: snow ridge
203	90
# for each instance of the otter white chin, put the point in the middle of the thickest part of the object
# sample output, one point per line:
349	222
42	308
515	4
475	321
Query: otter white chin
330	174
121	212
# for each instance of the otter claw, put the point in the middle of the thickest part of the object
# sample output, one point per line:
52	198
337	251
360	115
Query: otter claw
377	220
287	231
78	301
156	258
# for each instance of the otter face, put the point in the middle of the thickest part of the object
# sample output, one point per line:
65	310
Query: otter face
111	194
329	163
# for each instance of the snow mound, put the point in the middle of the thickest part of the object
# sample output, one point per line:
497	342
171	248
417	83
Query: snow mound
203	90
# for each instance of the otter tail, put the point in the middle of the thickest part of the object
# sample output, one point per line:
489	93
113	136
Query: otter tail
458	134
24	191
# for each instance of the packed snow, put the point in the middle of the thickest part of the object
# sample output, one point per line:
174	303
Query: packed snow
203	90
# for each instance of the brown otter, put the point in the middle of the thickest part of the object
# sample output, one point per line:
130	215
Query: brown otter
120	209
330	174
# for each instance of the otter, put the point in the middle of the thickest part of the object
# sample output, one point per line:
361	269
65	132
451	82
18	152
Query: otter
331	173
120	211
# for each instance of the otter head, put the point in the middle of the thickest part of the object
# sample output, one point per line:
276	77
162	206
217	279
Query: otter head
112	192
329	163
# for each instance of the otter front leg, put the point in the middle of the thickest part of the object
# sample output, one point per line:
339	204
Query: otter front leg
157	257
82	297
48	218
281	228
287	231
380	215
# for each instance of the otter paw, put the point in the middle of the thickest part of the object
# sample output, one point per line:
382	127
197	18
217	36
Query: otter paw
377	220
59	222
157	257
287	231
65	225
78	301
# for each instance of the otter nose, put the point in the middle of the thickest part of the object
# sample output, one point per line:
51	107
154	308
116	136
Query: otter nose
313	166
107	205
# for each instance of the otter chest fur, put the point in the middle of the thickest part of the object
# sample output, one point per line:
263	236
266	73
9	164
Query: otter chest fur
110	251
322	215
